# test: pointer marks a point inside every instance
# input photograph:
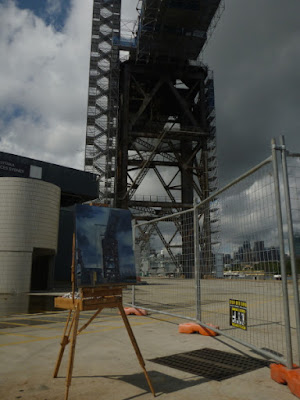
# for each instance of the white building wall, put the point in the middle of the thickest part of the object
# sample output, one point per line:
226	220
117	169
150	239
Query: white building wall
29	217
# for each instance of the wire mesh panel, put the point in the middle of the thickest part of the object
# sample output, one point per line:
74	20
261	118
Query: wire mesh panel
293	169
227	269
165	259
240	285
294	183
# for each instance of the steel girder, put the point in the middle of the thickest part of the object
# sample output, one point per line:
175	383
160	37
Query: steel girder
166	129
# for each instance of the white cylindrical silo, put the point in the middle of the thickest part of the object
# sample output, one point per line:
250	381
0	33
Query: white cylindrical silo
29	217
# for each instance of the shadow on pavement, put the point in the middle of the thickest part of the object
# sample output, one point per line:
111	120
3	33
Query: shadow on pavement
162	383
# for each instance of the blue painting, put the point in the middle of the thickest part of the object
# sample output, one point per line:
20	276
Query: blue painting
104	251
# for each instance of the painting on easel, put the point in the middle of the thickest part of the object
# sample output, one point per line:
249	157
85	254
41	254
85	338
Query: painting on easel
102	266
104	250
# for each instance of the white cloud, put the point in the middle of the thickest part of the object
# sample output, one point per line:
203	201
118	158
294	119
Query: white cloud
54	6
44	84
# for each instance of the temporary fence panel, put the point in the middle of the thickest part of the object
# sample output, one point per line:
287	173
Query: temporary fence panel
293	266
164	251
242	291
223	262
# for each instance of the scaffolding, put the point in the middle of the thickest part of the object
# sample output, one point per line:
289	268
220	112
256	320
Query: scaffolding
103	96
175	30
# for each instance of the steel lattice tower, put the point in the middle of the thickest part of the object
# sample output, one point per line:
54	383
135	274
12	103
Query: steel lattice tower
154	113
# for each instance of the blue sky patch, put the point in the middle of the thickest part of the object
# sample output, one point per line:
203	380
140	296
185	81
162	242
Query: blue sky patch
14	111
52	12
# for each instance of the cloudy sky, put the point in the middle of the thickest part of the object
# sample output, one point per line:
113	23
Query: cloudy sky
255	55
44	53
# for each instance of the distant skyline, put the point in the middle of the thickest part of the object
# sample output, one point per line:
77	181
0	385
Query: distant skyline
44	50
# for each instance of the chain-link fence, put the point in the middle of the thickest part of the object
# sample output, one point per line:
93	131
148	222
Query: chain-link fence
229	261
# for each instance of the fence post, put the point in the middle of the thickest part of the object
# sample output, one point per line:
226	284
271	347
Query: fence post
282	259
291	239
197	263
137	268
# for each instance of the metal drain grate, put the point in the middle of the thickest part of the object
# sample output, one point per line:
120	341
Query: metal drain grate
212	364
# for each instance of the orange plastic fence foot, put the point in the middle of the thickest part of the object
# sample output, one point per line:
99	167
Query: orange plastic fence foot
135	311
291	377
191	327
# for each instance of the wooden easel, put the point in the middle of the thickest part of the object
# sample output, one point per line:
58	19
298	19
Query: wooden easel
96	298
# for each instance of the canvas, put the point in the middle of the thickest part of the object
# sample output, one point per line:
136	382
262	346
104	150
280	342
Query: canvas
104	251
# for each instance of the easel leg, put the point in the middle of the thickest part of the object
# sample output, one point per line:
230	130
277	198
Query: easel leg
135	346
64	342
90	320
72	351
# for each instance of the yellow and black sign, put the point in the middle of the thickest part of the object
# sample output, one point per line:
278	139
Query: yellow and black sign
238	314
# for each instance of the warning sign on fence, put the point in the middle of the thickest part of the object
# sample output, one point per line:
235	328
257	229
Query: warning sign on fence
238	314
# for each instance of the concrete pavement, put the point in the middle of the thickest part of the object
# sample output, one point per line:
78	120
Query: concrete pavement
106	366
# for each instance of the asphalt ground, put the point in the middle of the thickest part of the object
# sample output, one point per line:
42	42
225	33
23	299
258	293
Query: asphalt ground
106	366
